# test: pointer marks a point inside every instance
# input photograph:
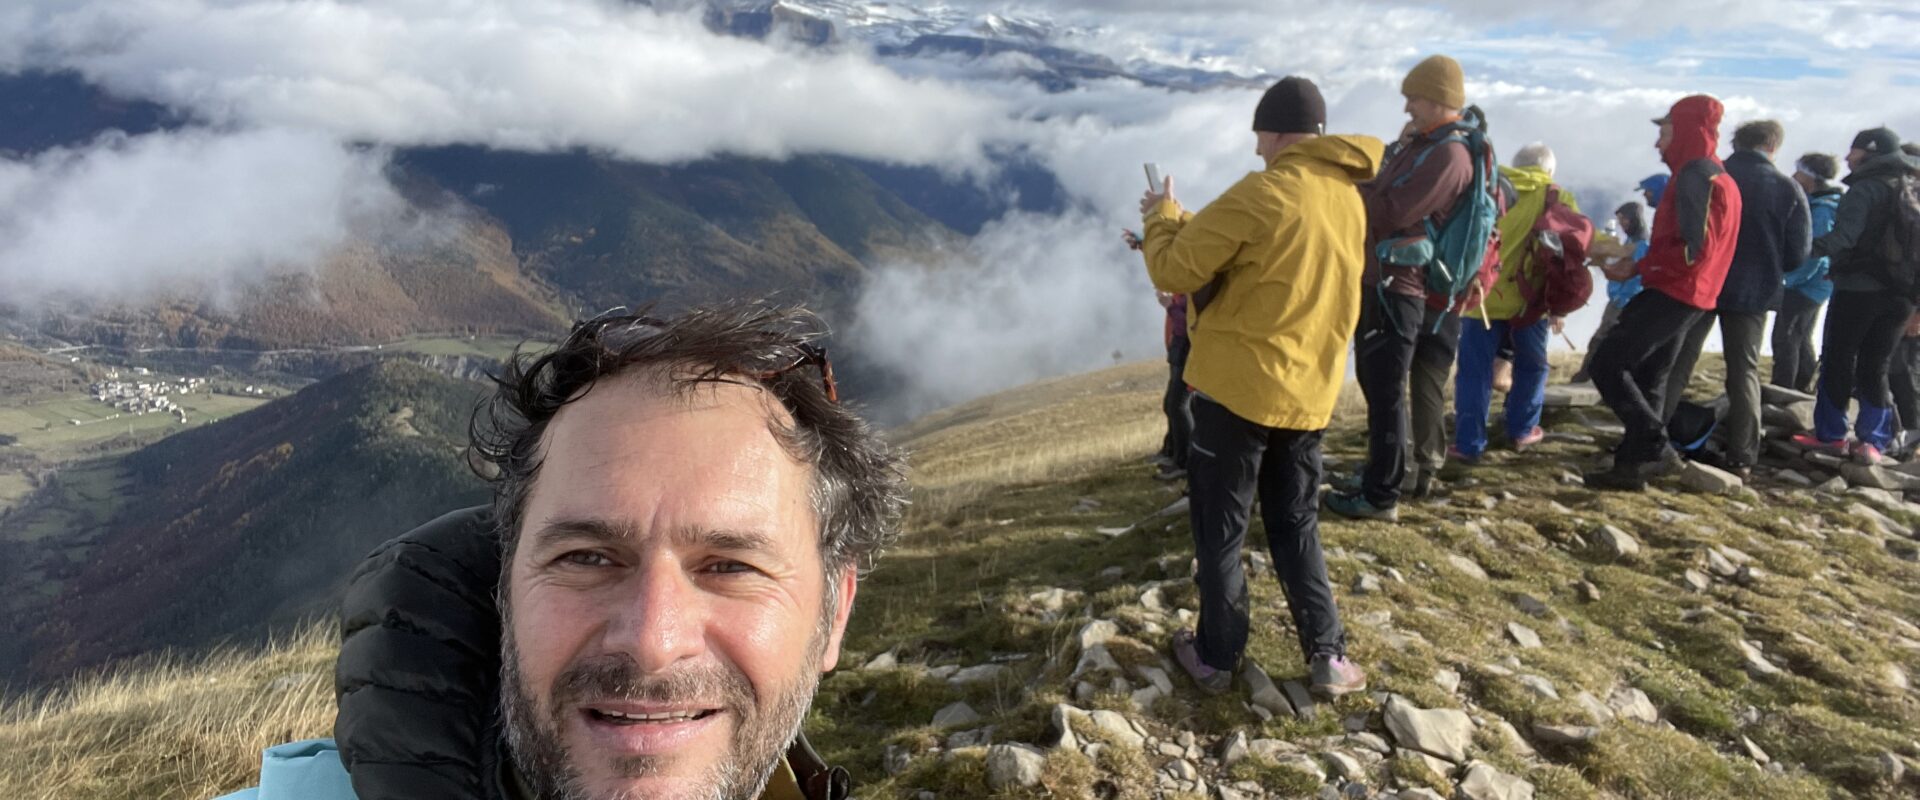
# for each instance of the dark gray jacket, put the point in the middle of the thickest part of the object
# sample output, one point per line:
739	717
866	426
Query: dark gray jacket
1865	213
1776	229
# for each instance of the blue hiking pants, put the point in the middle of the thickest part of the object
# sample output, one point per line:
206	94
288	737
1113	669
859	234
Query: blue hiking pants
1473	384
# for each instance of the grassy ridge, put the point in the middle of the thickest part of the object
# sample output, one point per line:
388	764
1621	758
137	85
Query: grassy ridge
1002	512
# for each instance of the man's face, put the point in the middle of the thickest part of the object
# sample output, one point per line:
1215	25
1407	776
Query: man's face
1426	114
1856	157
668	612
1666	138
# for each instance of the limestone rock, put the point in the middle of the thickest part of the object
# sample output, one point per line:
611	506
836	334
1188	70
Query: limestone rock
1061	720
1540	686
1754	752
1261	691
1447	679
1523	635
1572	395
958	715
1757	662
1234	749
1468	566
1782	396
1441	732
984	673
1633	704
1564	735
1617	543
1303	705
1117	728
1708	480
1483	782
1695	581
1097	632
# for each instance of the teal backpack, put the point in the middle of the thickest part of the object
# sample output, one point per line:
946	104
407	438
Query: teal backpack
1455	252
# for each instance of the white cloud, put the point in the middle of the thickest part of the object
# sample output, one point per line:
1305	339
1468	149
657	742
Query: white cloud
123	217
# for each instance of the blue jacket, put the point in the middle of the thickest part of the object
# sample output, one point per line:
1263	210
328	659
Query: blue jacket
309	770
1619	293
1811	278
1775	232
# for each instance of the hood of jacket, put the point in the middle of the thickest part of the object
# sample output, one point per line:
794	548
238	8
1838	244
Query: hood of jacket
1696	131
1358	156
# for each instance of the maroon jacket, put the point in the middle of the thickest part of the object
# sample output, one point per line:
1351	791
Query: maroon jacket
1399	211
1698	223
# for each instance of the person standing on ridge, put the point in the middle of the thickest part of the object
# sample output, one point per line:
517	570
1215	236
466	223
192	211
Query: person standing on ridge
1269	356
1409	330
1694	232
1774	236
1808	287
1543	278
1873	265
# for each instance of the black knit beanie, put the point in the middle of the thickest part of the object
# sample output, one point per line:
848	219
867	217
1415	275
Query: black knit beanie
1293	105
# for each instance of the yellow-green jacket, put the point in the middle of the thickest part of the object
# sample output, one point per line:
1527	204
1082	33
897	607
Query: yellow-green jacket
1289	245
1530	184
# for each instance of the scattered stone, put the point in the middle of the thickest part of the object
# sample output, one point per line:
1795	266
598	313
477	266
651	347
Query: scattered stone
1483	782
1513	737
1346	766
1371	742
1794	479
1094	660
1695	581
1782	396
1113	573
1708	480
1891	768
1540	686
1061	720
1366	584
1234	749
1261	691
1633	704
1447	679
1114	533
1572	395
1440	732
1272	749
1895	678
1589	593
1303	705
1879	478
1754	752
1881	522
1305	764
1757	662
1468	566
885	660
984	673
897	759
1564	735
1617	543
1595	709
958	715
1531	606
1833	486
1439	766
1719	565
1418	793
1117	729
1096	633
1523	635
975	738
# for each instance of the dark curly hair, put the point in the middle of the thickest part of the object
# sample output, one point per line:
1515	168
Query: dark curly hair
858	482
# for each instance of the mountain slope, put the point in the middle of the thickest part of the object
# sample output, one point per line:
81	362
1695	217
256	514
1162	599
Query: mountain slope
232	529
1011	568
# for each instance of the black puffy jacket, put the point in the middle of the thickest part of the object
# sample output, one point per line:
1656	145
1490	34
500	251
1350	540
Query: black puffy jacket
419	671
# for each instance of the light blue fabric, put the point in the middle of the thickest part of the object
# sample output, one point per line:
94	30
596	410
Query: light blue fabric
1473	384
1811	278
309	770
1619	293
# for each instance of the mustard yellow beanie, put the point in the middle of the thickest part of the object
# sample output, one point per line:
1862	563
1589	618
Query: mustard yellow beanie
1438	79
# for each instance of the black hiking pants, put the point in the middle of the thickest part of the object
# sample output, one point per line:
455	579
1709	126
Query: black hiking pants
1632	365
1232	459
1177	403
1793	357
1401	339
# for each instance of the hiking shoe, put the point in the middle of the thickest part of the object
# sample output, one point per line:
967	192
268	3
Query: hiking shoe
1455	454
1346	484
1187	652
1866	455
1502	375
1669	463
1422	486
1818	445
1621	477
1169	472
1334	675
1355	506
1160	460
1533	437
1580	377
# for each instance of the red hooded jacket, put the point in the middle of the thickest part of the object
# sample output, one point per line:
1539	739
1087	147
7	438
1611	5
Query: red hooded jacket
1698	222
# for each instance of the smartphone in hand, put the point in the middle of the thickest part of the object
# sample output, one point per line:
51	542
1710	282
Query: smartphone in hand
1155	183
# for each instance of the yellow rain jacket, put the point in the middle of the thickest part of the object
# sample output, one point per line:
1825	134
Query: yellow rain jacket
1530	185
1288	245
